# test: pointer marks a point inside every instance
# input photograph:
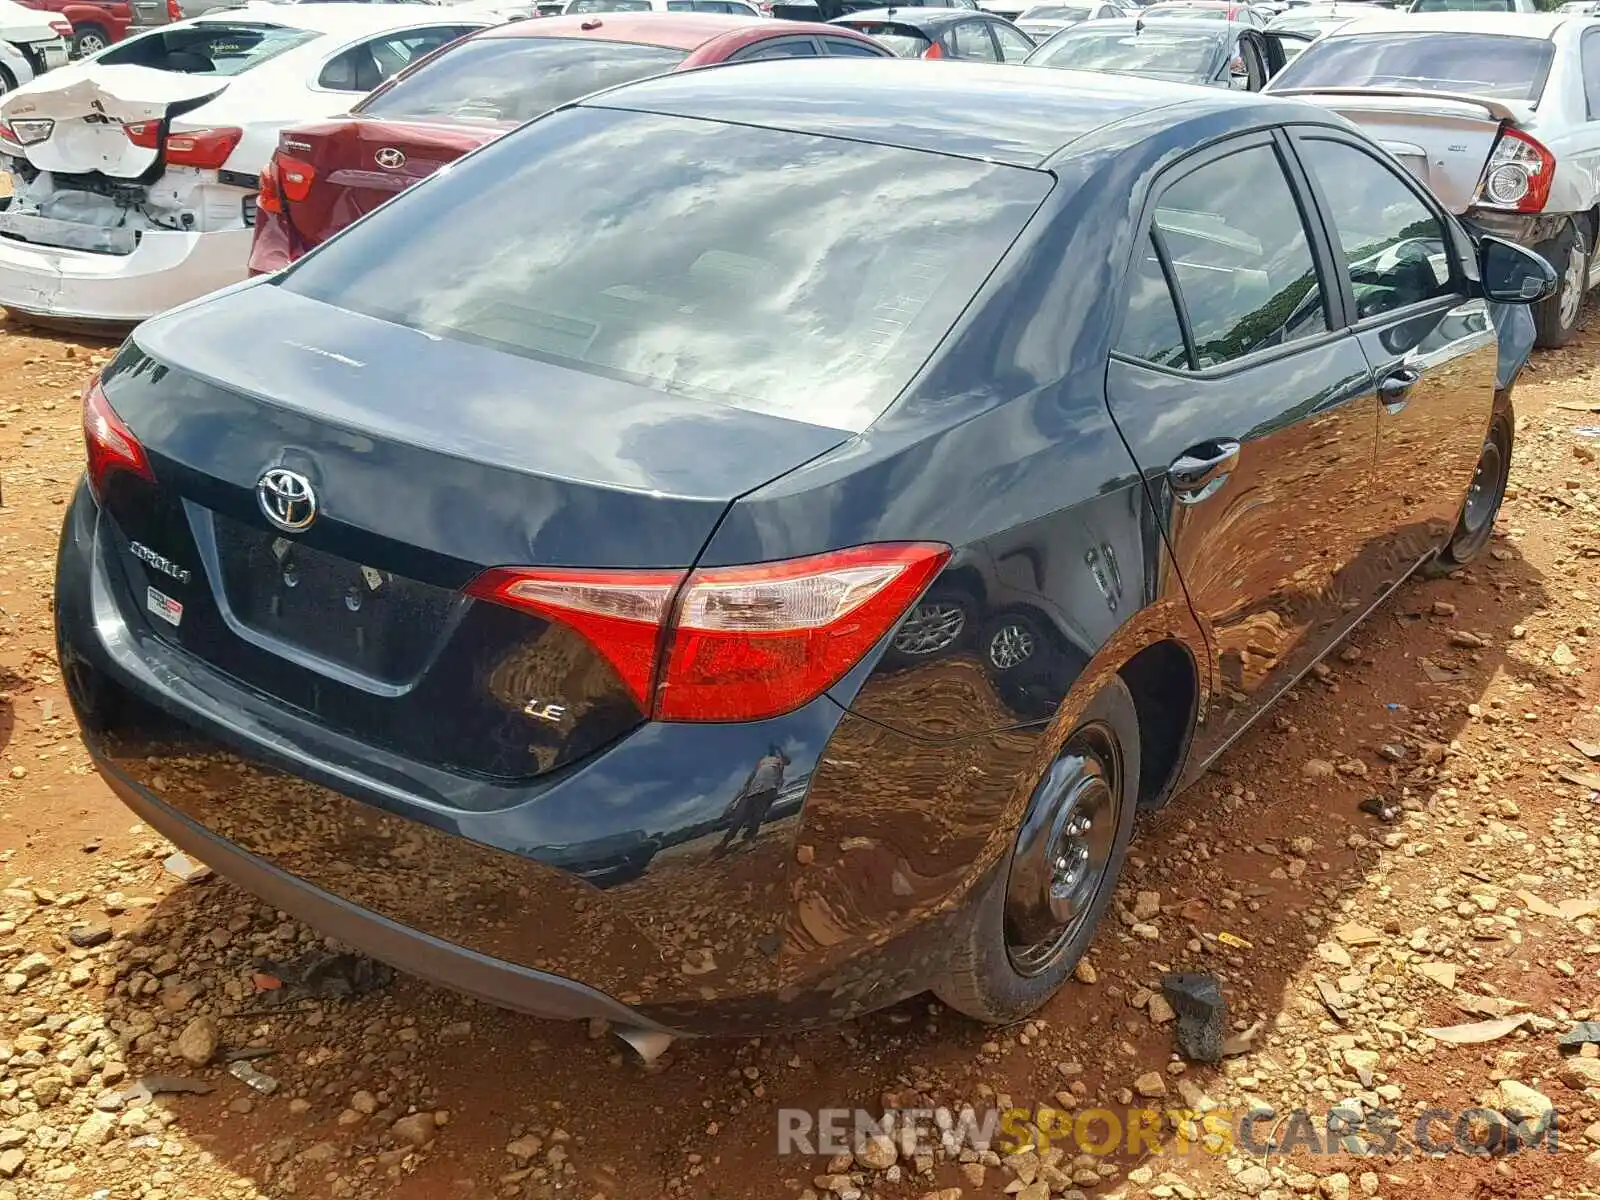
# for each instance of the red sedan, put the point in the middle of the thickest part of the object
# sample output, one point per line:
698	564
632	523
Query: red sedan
325	176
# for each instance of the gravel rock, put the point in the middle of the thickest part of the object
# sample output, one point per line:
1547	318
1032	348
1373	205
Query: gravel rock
418	1128
197	1044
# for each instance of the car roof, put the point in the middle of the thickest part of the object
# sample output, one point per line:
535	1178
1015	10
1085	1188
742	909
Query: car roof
680	31
1010	114
917	17
334	19
1531	25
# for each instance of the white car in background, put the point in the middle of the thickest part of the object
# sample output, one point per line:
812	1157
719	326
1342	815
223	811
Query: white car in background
134	173
1498	113
40	40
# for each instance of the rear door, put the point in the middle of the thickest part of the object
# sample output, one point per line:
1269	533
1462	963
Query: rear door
1430	343
1249	411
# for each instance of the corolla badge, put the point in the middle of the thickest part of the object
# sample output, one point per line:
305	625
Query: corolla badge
390	159
287	499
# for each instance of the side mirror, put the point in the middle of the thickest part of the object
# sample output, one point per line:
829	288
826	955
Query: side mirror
1513	274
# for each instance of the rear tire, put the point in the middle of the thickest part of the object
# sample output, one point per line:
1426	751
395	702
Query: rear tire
1475	526
1038	915
1556	317
89	39
7	83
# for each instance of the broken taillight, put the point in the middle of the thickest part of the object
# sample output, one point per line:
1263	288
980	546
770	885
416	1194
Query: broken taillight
729	643
109	443
1518	174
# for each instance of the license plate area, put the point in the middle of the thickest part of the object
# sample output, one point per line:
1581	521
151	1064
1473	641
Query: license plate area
382	625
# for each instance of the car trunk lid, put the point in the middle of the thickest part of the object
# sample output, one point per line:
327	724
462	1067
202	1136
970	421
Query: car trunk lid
345	169
432	462
1443	139
90	111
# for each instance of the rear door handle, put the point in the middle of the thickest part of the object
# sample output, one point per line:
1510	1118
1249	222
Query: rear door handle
1394	389
1201	469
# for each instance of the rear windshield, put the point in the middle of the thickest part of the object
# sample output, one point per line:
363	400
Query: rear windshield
212	48
1481	64
516	79
787	273
902	40
1054	12
603	6
1167	53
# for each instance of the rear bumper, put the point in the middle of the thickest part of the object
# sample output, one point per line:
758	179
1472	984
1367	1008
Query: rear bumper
164	270
606	889
494	980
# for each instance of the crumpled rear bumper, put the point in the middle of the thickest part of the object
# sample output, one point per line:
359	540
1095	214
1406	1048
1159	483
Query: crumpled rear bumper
165	269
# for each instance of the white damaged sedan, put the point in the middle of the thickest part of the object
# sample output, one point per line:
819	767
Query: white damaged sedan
134	173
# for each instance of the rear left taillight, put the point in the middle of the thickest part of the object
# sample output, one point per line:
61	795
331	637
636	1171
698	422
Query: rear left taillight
1518	174
729	643
62	29
110	445
294	177
933	51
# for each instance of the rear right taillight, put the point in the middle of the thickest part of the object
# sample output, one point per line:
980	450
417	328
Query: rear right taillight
110	445
174	13
207	149
738	643
1518	174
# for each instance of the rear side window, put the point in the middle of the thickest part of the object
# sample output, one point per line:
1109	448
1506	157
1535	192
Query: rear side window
516	79
787	273
211	48
1150	328
971	40
1240	255
1483	64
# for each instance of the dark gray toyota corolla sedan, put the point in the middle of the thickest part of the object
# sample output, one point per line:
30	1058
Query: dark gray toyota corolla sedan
735	552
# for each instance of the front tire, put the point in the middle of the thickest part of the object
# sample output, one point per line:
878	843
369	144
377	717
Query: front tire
1039	913
1555	318
1487	491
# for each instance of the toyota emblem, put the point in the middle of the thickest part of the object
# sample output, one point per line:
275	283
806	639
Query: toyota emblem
287	499
390	159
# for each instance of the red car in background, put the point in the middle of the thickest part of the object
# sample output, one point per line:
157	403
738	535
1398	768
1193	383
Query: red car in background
95	23
325	176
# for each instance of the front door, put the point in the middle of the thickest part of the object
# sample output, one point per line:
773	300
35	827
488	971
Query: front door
1250	414
1431	345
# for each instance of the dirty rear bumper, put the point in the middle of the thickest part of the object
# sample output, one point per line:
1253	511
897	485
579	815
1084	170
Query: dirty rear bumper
494	980
652	918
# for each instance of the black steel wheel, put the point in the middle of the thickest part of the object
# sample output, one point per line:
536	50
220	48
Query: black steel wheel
1039	913
1475	525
